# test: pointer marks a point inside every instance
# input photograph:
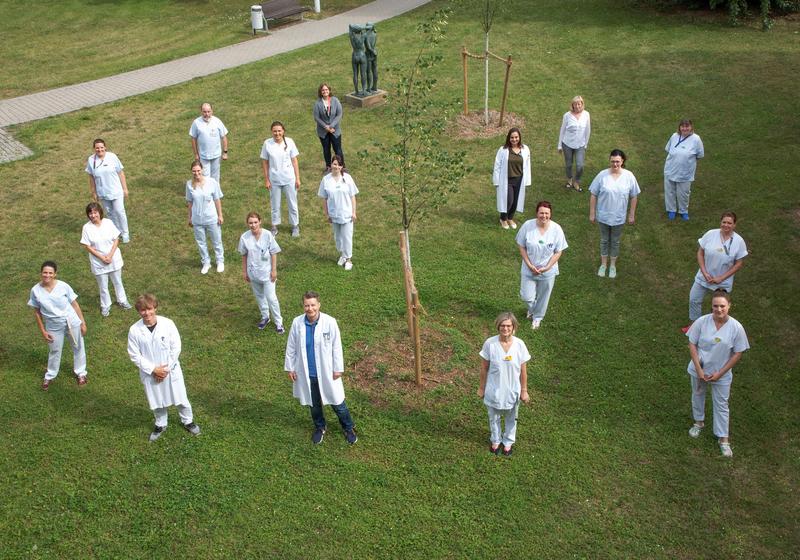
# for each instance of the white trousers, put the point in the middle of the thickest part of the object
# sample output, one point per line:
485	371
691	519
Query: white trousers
291	202
115	211
119	289
720	394
535	292
267	300
216	239
696	296
185	412
497	436
343	236
211	167
677	192
58	328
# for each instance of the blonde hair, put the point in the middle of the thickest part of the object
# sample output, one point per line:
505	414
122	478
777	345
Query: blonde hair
575	100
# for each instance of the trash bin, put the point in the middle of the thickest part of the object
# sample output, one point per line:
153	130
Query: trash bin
256	18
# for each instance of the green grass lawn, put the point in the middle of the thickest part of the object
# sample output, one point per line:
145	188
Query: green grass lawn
52	44
603	467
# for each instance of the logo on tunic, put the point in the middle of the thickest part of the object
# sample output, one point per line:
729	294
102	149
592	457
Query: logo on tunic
717	340
507	358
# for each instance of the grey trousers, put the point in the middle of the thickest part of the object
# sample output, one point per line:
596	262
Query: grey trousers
609	239
509	436
576	154
720	394
677	192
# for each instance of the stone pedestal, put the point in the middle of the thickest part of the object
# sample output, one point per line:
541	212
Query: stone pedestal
372	100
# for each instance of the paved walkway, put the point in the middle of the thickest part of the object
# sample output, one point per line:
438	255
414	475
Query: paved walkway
62	100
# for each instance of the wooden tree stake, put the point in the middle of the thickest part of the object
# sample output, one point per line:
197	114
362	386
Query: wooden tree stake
505	91
464	64
417	342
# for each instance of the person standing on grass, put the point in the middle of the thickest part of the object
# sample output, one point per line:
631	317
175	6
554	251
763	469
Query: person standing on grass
683	149
512	173
204	201
209	141
503	381
716	342
328	116
154	345
108	185
338	193
281	174
315	364
259	252
58	314
101	238
720	254
573	139
612	190
540	242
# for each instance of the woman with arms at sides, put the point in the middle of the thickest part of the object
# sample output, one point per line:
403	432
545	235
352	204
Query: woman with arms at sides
612	190
512	173
573	139
204	201
683	149
503	382
328	116
338	191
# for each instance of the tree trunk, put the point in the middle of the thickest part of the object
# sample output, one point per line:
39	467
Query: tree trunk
486	82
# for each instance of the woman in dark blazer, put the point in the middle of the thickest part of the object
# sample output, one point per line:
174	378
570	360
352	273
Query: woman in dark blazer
328	115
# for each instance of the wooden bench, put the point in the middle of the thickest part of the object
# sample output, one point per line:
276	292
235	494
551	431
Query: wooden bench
280	9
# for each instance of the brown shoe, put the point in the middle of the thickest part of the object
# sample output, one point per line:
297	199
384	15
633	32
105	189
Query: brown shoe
82	380
46	384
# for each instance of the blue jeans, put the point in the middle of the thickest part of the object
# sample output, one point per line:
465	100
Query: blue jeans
316	409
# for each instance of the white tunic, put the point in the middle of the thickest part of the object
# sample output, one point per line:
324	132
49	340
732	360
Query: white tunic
149	350
715	347
209	136
279	156
259	254
329	358
500	178
503	378
55	305
574	131
204	209
682	156
106	175
720	257
541	248
613	195
101	238
339	196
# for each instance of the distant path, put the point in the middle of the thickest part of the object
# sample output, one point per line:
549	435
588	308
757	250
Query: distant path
62	100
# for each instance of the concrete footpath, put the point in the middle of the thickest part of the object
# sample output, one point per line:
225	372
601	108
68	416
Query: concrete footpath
62	100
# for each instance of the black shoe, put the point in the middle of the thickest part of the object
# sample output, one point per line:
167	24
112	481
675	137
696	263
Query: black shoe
156	433
350	436
495	450
192	428
317	436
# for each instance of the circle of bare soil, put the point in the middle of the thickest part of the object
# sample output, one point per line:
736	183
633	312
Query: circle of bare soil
386	369
471	125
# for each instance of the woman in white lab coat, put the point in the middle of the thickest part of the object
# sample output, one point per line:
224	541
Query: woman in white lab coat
512	173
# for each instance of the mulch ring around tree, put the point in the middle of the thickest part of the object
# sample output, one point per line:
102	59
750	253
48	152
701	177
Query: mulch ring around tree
472	125
388	370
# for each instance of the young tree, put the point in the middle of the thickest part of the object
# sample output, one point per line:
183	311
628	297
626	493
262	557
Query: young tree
491	8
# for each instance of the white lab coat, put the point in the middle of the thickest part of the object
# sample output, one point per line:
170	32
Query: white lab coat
500	178
149	350
329	358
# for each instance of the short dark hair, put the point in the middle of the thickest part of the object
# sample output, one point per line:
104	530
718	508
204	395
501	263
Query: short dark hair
729	214
620	153
544	204
51	264
311	294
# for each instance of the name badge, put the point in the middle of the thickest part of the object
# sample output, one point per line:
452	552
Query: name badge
326	336
507	358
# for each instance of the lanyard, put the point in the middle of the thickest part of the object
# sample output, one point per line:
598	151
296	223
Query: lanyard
680	140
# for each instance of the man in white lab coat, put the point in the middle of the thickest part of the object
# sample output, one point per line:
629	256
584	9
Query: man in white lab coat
315	363
154	345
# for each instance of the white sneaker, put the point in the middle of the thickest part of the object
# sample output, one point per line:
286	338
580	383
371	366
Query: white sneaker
274	231
695	430
296	231
726	450
206	268
341	260
612	272
536	324
220	267
348	265
601	271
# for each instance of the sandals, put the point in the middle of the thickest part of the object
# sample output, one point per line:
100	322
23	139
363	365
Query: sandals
569	185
